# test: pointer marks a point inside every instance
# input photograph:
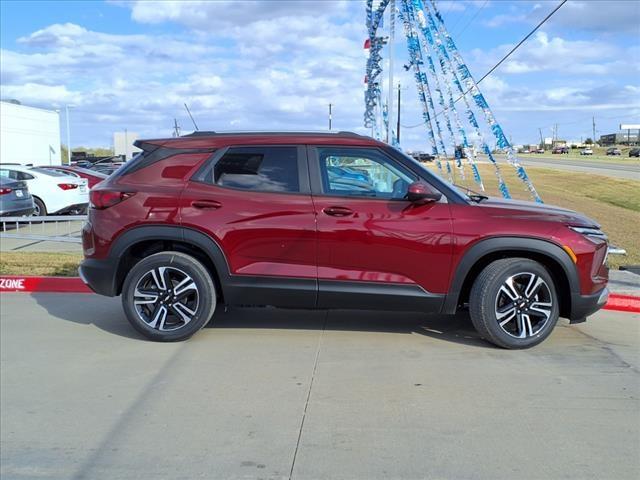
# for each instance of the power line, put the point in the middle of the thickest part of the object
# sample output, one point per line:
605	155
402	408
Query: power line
472	18
544	20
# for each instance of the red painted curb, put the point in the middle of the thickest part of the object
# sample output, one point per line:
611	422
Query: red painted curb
623	303
12	283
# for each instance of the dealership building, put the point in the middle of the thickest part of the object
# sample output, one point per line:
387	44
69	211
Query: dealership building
29	134
628	135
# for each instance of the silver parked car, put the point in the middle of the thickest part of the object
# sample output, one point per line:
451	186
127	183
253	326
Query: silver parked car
15	199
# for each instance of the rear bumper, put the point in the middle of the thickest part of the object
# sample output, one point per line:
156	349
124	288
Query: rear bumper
71	208
99	276
25	212
584	305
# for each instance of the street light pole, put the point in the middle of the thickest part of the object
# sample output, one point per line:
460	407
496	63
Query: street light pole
330	105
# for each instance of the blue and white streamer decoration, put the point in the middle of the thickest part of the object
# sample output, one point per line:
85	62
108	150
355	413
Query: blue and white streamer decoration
446	73
418	22
373	92
438	88
472	87
424	90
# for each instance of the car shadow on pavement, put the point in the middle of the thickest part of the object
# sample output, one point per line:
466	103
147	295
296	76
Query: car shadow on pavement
107	315
450	328
87	309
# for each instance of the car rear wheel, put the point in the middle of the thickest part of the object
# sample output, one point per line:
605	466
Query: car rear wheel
168	296
513	303
39	209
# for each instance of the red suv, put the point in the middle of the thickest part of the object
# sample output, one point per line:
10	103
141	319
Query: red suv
329	220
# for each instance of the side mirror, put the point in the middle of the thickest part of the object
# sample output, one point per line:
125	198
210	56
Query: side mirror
421	192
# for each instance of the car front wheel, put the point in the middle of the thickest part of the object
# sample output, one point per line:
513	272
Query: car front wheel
513	303
168	296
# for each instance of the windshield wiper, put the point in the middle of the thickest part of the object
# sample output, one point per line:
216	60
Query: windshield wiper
475	196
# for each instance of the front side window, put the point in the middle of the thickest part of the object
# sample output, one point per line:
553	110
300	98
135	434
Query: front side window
267	169
362	172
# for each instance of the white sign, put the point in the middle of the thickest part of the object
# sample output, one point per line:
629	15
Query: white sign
627	126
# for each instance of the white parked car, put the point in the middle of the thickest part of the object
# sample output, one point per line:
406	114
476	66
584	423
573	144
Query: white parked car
586	151
53	192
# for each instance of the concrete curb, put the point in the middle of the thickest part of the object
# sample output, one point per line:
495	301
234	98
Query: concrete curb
12	283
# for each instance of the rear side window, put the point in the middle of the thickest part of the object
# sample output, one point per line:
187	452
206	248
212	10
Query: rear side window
152	153
267	169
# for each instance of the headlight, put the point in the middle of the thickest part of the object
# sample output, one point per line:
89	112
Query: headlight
594	233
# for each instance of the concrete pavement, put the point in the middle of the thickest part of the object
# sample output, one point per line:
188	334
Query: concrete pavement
265	393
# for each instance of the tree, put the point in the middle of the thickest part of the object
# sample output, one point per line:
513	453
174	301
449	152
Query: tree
63	154
588	141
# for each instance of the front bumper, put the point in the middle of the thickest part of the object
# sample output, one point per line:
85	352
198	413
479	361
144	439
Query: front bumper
584	305
99	275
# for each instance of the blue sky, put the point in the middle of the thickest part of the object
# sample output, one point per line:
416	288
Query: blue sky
277	64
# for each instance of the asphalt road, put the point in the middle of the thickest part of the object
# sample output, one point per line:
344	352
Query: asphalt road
311	395
615	170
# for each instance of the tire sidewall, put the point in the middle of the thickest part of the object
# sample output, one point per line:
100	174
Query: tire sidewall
491	293
192	267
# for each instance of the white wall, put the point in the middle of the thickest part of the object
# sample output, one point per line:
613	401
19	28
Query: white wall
29	135
123	144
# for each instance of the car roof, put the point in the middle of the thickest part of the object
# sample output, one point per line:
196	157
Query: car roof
201	139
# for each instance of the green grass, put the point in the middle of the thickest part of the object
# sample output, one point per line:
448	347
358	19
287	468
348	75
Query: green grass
39	263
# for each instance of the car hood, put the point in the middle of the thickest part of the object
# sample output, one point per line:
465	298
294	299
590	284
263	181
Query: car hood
535	211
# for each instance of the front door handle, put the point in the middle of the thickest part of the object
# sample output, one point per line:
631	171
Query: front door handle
206	204
338	211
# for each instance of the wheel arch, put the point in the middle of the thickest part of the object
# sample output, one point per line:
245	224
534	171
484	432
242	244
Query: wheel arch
140	242
481	254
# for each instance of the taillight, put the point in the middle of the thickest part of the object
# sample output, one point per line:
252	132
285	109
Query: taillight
4	191
102	199
67	186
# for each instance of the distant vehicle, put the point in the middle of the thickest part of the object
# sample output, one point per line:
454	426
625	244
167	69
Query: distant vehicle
634	152
15	199
106	168
586	151
613	151
52	192
560	150
93	177
526	150
421	156
540	150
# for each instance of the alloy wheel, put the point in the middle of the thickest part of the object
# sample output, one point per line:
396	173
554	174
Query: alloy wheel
166	298
523	305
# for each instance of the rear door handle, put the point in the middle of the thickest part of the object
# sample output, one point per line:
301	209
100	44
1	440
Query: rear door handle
338	211
206	204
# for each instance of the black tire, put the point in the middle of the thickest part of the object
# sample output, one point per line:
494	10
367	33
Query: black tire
148	319
39	207
491	297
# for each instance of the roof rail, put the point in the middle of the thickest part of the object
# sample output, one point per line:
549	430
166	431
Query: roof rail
342	133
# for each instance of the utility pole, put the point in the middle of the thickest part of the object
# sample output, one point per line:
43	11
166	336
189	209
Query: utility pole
392	29
398	124
330	105
176	128
593	123
555	134
541	139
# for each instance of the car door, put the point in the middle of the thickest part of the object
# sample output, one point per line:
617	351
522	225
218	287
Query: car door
375	248
255	203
